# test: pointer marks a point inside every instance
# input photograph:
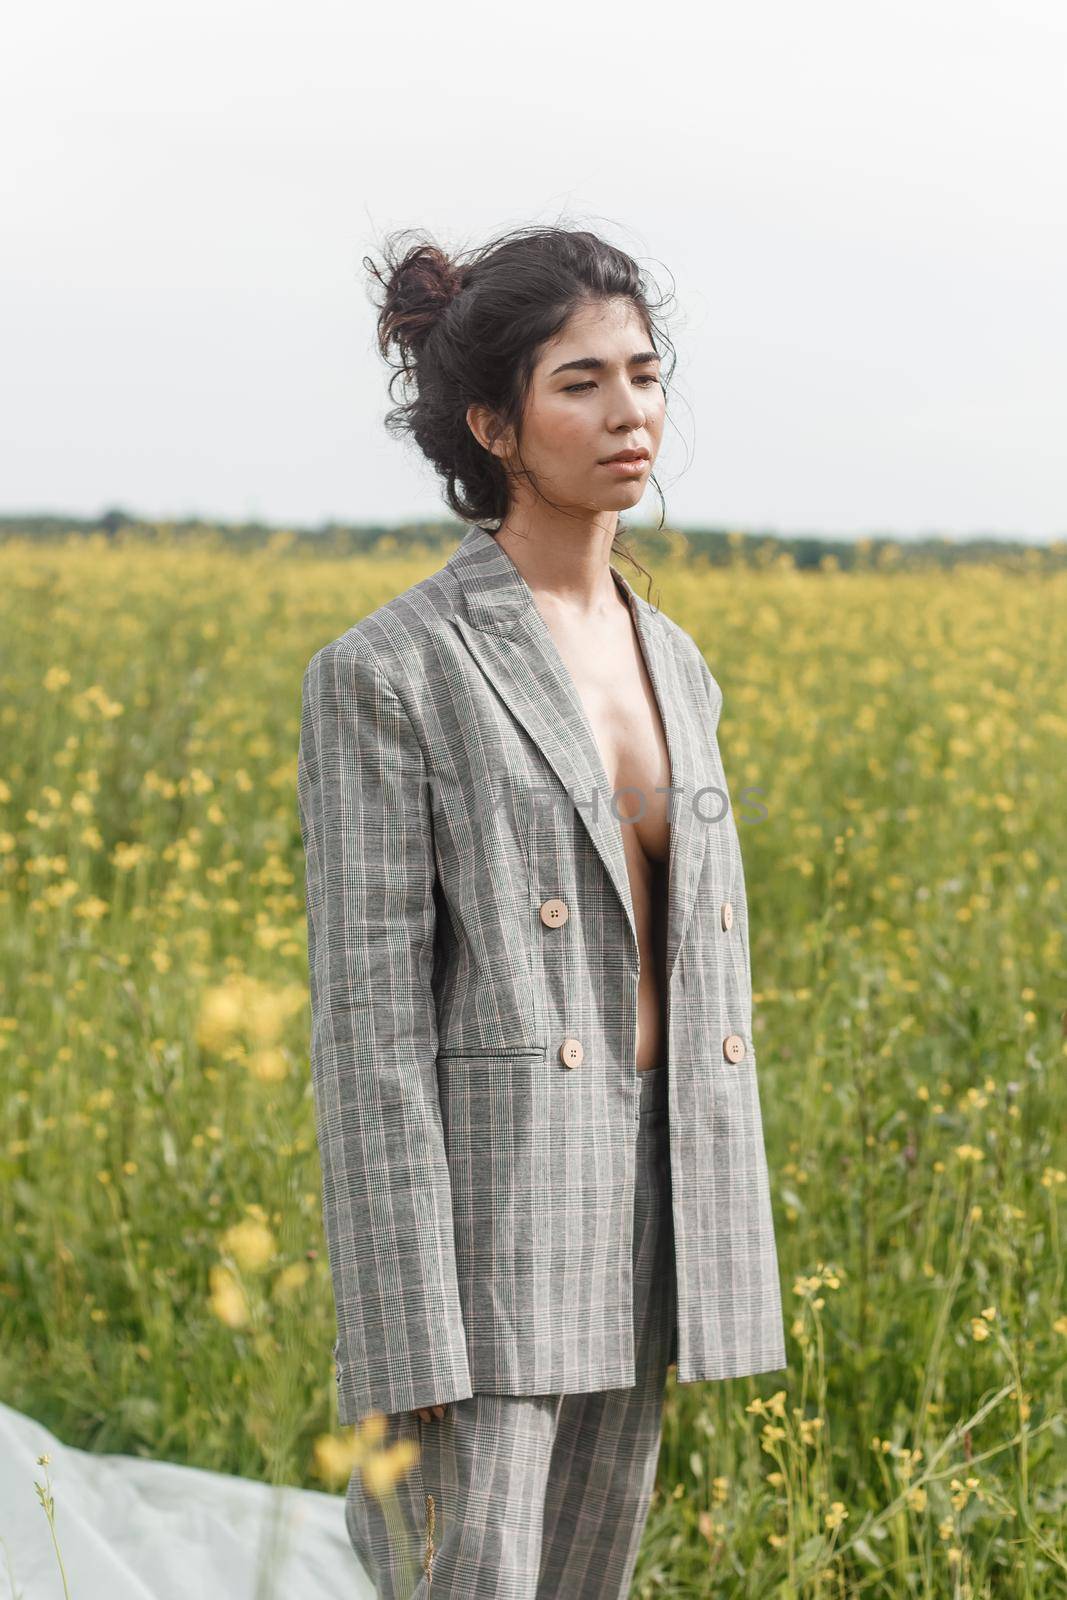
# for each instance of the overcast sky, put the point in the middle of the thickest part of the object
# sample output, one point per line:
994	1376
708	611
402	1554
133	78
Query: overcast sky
861	208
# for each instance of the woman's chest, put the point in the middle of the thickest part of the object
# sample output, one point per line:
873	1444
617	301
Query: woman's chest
618	697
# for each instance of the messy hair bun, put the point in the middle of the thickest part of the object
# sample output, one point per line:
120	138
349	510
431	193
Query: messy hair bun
419	288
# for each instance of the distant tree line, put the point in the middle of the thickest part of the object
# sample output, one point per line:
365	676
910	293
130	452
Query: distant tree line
712	546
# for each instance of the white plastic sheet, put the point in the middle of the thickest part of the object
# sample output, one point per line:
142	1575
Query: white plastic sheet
130	1529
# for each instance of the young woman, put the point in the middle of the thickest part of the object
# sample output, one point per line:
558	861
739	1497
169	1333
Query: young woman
544	1178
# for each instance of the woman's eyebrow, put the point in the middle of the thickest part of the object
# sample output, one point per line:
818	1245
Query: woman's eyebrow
595	364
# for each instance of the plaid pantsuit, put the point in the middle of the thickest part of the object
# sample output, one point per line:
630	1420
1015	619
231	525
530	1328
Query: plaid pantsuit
473	1059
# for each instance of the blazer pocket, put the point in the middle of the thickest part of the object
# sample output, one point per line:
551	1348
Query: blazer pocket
536	1052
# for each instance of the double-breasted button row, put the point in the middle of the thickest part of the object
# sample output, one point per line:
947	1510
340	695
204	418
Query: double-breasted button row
572	1054
554	914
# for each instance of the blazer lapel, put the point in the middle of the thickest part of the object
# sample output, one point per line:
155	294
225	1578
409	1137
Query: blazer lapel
515	650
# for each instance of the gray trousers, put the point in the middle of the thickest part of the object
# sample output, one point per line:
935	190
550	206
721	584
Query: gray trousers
539	1497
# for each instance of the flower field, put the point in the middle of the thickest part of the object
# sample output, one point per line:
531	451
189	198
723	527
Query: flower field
896	746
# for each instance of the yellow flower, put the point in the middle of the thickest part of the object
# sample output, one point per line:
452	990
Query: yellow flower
836	1514
384	1469
291	1280
93	909
250	1243
335	1456
125	857
969	1152
228	1298
371	1431
221	1015
268	1066
242	1006
381	1466
269	1009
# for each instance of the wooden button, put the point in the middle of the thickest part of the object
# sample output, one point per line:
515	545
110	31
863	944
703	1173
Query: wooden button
554	913
733	1047
571	1053
727	916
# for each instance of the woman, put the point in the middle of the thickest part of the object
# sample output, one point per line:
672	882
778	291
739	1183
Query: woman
544	1177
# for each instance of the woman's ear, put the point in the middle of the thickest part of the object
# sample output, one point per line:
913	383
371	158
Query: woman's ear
486	428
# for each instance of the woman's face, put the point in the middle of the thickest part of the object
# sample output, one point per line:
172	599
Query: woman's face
611	400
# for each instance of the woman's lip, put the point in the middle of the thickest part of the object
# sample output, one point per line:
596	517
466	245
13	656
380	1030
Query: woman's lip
633	464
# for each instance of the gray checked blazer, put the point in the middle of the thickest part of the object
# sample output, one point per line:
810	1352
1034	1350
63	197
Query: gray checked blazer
477	1169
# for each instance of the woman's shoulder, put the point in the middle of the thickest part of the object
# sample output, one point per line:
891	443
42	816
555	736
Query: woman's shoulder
402	637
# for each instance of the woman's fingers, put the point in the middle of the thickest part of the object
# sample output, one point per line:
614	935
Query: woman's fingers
426	1412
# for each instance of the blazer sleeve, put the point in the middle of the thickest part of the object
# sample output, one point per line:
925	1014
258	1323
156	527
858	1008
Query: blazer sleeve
366	826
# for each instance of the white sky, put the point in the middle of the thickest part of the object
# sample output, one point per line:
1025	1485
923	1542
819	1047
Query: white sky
862	207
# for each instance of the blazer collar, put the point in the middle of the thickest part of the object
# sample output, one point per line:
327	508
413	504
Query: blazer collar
495	592
515	649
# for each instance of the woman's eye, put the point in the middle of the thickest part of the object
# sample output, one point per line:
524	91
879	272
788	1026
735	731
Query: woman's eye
576	388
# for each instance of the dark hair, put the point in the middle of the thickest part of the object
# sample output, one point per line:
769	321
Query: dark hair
468	331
